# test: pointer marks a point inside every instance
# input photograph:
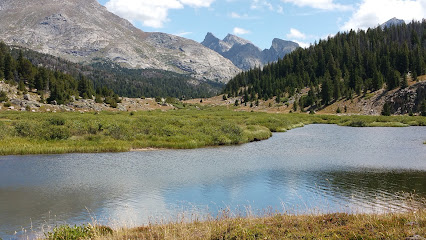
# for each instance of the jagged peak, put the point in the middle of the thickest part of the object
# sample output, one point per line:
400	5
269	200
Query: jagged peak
232	39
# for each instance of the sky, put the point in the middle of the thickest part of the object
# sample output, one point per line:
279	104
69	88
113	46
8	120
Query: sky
260	21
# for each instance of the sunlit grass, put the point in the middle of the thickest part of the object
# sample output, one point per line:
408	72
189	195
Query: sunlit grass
271	226
53	133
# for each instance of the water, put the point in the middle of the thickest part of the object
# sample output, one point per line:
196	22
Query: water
318	168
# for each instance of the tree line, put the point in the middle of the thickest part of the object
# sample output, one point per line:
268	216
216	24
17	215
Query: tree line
17	70
350	63
127	82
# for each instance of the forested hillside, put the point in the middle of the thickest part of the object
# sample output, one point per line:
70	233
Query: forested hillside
57	85
348	64
129	82
64	79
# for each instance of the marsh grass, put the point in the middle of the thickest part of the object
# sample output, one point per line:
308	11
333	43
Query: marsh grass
53	133
271	226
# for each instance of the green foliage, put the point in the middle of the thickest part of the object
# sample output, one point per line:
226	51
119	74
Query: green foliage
7	104
348	63
423	108
98	99
57	121
3	97
40	133
71	233
386	111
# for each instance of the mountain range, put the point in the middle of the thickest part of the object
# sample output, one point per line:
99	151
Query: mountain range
244	54
84	31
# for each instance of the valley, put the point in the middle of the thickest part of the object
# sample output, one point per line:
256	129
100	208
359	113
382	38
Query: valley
108	131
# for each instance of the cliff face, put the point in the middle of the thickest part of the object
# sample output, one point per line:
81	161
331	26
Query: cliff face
85	31
245	54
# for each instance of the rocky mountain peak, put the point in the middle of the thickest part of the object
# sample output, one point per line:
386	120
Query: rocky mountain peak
244	54
233	40
392	22
85	31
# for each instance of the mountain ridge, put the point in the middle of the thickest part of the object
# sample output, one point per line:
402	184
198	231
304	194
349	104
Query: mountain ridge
244	54
84	31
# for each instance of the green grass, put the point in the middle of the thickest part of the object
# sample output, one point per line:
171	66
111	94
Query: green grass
190	127
273	226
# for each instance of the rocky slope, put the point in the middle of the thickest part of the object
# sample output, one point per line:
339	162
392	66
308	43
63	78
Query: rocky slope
85	31
245	54
392	22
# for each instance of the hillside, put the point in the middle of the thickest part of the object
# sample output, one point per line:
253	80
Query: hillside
349	65
83	31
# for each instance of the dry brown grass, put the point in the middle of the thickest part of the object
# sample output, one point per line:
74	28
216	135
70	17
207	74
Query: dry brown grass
409	225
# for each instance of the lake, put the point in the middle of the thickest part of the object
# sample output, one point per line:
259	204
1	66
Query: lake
314	169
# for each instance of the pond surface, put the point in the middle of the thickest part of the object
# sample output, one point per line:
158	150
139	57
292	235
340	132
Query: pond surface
317	168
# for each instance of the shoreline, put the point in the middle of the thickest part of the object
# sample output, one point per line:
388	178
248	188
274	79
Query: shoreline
410	224
61	133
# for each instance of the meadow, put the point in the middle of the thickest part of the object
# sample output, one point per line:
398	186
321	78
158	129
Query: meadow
191	127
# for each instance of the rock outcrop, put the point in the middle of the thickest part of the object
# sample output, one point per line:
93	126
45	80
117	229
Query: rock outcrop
85	31
408	100
244	54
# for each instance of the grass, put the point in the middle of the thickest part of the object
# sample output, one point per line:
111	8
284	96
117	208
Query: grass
191	127
406	225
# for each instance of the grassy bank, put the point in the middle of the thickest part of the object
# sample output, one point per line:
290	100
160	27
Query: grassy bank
409	225
49	133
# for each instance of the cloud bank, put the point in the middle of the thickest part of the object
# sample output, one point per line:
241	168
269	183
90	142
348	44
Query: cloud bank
151	13
371	13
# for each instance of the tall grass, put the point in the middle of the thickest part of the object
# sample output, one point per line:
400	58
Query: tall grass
48	133
408	225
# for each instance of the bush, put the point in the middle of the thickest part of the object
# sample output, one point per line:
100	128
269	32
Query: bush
71	233
57	133
26	129
386	110
7	104
57	121
3	97
99	99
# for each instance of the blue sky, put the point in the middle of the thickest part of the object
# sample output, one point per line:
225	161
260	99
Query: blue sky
259	21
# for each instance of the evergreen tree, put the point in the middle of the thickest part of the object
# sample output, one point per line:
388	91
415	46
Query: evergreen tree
386	109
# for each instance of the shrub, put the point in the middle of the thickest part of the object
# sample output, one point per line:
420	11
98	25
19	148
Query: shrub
57	133
57	121
386	110
3	97
98	99
7	104
71	233
26	129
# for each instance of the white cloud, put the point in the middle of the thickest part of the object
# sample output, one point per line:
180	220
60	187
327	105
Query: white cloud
260	4
302	44
151	13
371	13
196	3
241	16
319	4
240	31
296	34
181	34
235	15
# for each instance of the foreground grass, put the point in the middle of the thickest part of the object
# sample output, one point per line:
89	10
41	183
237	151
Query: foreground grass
52	133
409	225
